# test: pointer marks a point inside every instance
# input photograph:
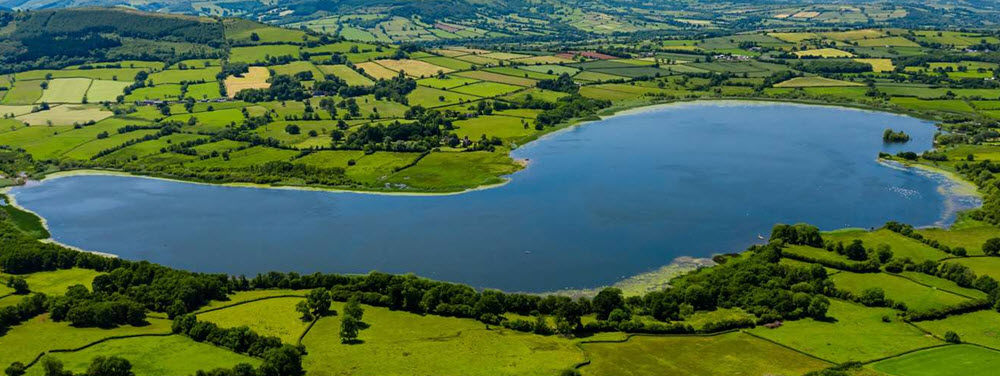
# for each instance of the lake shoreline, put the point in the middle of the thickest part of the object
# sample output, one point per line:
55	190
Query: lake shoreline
657	276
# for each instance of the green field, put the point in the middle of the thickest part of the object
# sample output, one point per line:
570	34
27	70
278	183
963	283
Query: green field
404	343
943	361
855	333
456	170
900	245
56	282
271	317
916	297
155	356
727	354
40	334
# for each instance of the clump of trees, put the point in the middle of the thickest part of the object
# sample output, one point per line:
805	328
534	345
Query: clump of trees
798	234
564	83
239	339
890	136
352	322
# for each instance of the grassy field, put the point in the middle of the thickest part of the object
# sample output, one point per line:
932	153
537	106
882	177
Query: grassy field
814	82
825	53
981	265
456	170
23	92
377	71
854	333
958	360
256	78
176	76
56	282
105	90
347	74
900	245
40	334
413	68
727	354
971	239
25	221
487	89
403	343
505	127
154	356
917	298
262	53
980	327
66	90
272	317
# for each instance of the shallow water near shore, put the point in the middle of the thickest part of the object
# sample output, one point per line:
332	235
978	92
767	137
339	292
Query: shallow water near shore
598	203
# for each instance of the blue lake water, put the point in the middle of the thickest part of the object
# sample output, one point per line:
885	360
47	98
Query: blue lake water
599	202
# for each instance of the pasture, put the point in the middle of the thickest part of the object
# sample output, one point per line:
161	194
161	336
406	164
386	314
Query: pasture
377	71
405	343
66	115
960	360
814	82
730	354
916	297
854	332
153	356
825	53
447	170
65	90
256	78
413	68
271	317
40	334
105	90
262	54
345	73
970	238
23	92
900	245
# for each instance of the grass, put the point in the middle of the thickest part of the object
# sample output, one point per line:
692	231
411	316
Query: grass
331	158
27	222
39	334
66	90
66	115
487	89
971	238
208	90
727	354
57	281
855	333
256	78
294	67
23	92
347	74
505	127
958	360
428	97
916	297
377	167
497	77
413	68
980	327
270	317
248	157
105	90
262	53
377	71
403	343
153	356
814	82
981	265
825	53
176	76
932	105
456	170
944	284
447	82
158	92
878	65
900	245
448	62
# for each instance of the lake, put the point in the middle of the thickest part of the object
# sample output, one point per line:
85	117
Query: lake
599	202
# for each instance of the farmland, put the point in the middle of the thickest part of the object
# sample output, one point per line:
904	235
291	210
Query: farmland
348	102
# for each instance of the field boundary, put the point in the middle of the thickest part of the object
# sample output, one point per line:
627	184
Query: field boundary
791	348
933	287
302	336
100	341
247	302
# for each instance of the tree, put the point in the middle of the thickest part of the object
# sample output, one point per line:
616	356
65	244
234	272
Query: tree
856	251
349	327
292	129
353	309
20	285
254	37
992	247
952	337
873	296
607	301
15	369
818	307
109	366
54	367
282	361
319	302
619	315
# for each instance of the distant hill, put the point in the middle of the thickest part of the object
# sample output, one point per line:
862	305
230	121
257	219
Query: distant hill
50	38
445	21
